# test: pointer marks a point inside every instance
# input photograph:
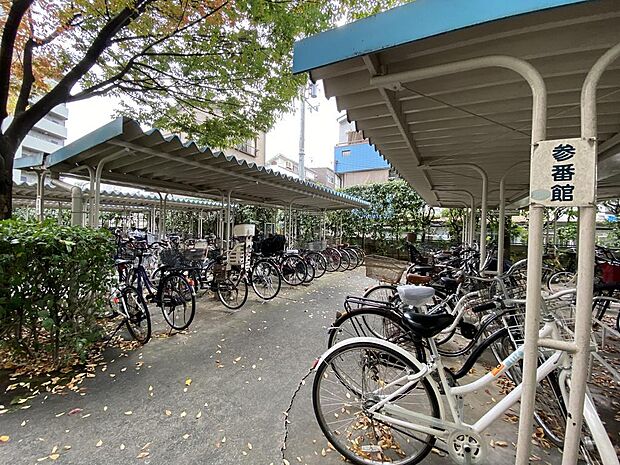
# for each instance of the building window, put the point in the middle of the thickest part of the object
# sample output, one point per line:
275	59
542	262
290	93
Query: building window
346	153
248	147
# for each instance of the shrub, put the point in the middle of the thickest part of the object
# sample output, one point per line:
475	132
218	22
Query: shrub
52	283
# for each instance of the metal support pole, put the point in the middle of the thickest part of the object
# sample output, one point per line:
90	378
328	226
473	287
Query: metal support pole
585	271
97	188
40	201
472	223
91	199
228	222
164	215
200	224
302	137
502	217
483	205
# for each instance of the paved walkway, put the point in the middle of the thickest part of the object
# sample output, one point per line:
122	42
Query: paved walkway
213	396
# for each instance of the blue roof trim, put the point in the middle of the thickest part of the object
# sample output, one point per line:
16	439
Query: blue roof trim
106	132
31	161
413	21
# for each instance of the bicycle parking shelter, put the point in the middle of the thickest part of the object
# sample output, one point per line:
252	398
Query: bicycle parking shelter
60	194
458	95
123	154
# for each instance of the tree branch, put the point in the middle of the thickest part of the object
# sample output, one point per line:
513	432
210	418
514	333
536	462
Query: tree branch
23	122
7	45
27	80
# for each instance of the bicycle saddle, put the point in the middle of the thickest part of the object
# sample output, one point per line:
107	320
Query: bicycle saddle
427	326
415	295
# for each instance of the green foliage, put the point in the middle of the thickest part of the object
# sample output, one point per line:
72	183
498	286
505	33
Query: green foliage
52	280
395	208
454	218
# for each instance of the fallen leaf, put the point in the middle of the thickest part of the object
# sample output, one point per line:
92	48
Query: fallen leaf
4	438
188	381
185	436
199	414
122	447
99	443
143	454
75	411
54	456
128	412
249	446
183	414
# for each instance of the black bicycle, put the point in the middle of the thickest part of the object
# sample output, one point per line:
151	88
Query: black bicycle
169	289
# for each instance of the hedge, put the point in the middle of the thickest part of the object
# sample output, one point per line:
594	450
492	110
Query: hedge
52	284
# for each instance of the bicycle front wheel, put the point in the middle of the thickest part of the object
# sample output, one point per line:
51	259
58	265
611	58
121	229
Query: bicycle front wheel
233	294
177	301
137	318
266	279
561	281
354	378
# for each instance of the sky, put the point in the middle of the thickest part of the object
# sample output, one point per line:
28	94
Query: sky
321	127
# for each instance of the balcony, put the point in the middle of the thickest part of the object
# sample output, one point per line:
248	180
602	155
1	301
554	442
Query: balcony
52	128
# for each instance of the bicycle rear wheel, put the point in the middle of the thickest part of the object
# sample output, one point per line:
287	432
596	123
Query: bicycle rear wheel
319	263
333	257
233	293
354	378
177	301
138	319
293	270
266	279
345	261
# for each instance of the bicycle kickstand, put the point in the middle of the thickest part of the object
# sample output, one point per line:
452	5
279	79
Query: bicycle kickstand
118	327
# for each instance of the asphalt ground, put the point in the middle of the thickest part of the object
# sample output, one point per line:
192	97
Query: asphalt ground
216	394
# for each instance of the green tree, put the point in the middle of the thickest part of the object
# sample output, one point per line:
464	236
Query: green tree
217	70
395	208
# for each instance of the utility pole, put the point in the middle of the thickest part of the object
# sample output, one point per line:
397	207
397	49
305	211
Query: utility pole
302	139
311	89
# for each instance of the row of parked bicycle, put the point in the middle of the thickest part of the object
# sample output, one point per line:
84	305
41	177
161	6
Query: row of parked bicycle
383	394
172	273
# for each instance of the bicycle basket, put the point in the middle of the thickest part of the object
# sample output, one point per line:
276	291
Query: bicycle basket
170	258
611	273
192	255
385	269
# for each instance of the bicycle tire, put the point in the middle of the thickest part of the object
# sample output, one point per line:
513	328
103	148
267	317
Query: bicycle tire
268	278
230	294
138	313
293	269
345	260
319	262
310	272
358	447
333	258
173	291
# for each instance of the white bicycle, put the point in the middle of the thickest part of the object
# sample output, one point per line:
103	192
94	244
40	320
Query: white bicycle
376	403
